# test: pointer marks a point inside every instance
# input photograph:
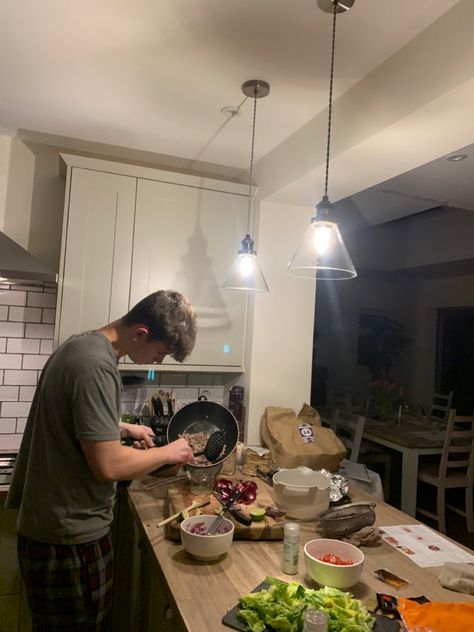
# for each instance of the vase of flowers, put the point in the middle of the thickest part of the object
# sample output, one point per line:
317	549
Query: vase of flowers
385	396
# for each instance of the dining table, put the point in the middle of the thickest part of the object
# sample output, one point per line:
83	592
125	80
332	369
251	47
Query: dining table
412	437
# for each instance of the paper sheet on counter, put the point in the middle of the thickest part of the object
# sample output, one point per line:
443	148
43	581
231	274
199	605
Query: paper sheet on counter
424	546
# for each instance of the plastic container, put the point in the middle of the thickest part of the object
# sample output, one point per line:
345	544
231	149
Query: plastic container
291	543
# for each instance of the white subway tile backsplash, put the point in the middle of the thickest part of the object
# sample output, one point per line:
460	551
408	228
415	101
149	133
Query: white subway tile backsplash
40	300
20	424
12	297
15	409
10	361
26	393
34	361
9	393
25	314
46	346
20	378
10	441
7	426
38	331
49	316
12	330
213	393
23	345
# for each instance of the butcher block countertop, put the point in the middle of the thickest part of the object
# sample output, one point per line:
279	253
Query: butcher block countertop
203	592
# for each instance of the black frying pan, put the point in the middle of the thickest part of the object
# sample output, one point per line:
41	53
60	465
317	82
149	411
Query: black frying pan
207	417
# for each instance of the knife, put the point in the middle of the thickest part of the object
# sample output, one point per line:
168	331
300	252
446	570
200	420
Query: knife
224	507
229	507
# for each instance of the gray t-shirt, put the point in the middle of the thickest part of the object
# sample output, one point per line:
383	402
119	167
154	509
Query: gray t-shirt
78	396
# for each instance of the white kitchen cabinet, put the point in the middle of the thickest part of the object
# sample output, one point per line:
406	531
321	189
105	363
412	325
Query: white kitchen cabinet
96	251
129	231
186	239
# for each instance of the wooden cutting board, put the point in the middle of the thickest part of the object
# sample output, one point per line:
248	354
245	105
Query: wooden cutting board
180	497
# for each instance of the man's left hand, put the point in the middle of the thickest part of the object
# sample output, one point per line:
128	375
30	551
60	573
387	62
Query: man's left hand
142	435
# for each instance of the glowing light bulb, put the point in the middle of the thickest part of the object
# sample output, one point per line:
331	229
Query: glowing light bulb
322	239
246	265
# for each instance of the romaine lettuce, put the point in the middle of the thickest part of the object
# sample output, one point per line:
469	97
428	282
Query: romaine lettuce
282	606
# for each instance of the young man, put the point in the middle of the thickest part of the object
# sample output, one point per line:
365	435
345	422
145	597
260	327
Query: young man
71	455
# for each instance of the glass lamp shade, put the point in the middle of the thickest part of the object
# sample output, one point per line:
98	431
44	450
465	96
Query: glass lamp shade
322	254
245	274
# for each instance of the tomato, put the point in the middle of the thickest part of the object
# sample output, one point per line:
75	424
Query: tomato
329	558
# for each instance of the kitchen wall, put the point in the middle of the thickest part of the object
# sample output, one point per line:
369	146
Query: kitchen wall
280	324
27	315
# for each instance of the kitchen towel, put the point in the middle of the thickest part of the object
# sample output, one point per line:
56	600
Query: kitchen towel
459	577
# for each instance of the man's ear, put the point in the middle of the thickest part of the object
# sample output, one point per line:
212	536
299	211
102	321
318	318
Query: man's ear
140	332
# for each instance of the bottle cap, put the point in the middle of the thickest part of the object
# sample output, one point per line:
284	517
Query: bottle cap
291	528
315	621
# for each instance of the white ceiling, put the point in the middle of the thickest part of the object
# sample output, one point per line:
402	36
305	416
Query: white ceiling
153	75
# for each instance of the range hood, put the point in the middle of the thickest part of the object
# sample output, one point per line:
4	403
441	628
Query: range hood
17	264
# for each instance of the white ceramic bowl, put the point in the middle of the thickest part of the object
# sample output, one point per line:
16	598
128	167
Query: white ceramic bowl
302	492
206	547
333	575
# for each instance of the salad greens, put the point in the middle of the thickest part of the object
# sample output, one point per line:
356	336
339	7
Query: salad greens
282	606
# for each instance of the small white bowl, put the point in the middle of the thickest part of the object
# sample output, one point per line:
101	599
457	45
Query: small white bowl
334	575
206	547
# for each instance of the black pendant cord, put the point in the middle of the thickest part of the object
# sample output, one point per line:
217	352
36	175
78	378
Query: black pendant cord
331	80
250	206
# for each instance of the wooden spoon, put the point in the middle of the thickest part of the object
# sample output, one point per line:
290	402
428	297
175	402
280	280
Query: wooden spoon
195	505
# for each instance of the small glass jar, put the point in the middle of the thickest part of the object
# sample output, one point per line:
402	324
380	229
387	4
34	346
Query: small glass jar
203	479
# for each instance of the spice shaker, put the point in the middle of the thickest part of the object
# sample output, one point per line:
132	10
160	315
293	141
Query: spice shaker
291	542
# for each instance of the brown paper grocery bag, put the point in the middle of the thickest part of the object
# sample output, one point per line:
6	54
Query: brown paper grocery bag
295	440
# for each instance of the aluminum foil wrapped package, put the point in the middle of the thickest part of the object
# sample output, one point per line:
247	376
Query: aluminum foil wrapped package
339	486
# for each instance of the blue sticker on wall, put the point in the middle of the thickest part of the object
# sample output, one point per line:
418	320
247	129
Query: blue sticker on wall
226	348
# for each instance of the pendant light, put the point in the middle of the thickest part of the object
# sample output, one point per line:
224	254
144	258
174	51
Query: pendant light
245	273
322	253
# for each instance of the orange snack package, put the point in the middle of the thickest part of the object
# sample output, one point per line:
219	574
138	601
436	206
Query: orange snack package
436	615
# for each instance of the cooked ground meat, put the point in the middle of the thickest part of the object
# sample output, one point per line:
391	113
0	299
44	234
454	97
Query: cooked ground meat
197	441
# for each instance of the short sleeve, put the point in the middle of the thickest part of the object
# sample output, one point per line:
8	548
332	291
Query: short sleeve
96	404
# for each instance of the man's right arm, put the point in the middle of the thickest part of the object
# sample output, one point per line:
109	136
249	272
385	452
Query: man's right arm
111	461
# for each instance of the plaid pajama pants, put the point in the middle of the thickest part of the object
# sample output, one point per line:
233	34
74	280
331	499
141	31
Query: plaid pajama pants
68	587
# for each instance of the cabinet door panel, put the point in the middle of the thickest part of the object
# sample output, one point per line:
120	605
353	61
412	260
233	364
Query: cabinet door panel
99	234
186	239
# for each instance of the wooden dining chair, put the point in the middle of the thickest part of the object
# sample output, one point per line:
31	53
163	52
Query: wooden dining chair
441	405
350	429
455	470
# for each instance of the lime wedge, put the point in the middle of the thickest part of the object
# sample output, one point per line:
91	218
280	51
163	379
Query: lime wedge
257	514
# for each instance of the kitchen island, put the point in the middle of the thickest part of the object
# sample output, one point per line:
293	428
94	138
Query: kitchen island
178	593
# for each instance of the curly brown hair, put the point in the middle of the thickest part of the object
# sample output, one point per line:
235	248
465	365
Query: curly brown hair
170	318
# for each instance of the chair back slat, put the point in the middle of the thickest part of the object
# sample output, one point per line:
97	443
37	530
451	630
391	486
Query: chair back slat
349	428
458	447
441	405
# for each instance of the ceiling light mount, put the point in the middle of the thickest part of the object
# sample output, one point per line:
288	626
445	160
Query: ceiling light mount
256	88
342	5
